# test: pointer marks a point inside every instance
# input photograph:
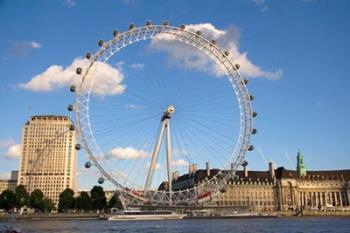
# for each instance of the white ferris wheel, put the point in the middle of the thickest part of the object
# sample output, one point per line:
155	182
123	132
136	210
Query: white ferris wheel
155	141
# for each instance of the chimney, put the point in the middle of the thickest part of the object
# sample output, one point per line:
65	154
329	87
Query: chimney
207	168
194	168
176	175
245	165
245	171
272	169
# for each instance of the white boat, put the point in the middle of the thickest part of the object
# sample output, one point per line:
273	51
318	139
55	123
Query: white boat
145	215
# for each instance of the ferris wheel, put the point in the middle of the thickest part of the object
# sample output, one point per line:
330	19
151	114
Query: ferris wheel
155	137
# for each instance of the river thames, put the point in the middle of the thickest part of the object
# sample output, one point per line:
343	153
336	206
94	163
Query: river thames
278	225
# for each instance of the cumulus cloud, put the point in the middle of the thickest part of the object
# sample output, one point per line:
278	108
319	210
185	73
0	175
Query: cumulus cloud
128	153
14	151
156	167
107	79
21	49
192	58
137	66
180	163
6	142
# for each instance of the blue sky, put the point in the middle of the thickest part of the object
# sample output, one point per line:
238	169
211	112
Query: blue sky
304	43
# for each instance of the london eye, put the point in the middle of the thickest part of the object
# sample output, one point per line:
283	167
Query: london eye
155	130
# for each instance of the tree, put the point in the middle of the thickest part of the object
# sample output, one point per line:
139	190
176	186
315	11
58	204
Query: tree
48	205
98	198
83	202
66	200
7	200
115	202
22	196
36	200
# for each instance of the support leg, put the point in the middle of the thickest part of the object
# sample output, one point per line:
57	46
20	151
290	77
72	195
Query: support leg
168	155
154	158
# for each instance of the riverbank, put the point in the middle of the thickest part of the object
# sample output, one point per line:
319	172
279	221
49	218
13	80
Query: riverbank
80	216
70	216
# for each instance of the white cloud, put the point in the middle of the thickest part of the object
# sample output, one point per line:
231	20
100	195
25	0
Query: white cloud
5	175
128	153
134	106
87	172
157	166
22	48
137	66
192	58
107	79
70	3
122	175
35	45
180	163
14	151
262	4
6	142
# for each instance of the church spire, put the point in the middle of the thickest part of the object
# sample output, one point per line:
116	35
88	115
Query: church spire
300	164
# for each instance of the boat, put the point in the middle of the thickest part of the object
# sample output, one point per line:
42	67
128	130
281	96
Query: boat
145	215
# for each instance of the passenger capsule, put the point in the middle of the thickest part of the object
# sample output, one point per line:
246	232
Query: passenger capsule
77	146
250	148
101	180
71	127
88	56
254	131
245	81
251	97
183	26
254	114
73	88
101	43
131	26
70	107
166	23
198	33
237	66
213	41
244	163
227	53
79	70
87	164
149	23
115	33
223	190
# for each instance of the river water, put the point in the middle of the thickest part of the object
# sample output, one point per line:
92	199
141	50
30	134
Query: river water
252	225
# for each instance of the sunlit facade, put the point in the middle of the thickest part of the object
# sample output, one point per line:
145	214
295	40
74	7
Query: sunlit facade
48	159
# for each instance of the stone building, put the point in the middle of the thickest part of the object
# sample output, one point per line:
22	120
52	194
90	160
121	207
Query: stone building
251	190
311	189
9	184
274	189
48	158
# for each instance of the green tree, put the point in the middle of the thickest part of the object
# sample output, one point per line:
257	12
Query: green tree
66	200
48	205
83	202
22	196
7	200
36	200
98	198
115	202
